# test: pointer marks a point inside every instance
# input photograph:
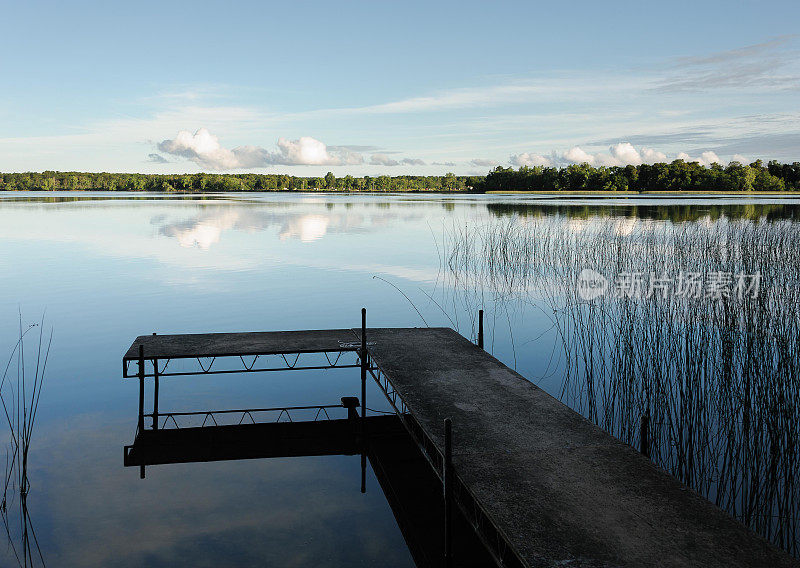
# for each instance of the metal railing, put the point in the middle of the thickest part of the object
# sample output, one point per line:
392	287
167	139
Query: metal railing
169	420
284	362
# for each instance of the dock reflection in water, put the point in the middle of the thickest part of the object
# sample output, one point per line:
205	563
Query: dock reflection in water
407	481
409	484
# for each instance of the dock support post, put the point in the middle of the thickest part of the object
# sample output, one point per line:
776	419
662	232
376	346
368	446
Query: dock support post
480	329
644	434
363	363
141	389
447	486
155	393
363	355
141	401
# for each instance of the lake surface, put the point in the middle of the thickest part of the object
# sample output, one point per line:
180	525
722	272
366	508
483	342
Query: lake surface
105	268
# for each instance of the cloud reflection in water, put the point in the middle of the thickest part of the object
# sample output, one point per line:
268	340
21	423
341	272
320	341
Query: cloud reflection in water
307	223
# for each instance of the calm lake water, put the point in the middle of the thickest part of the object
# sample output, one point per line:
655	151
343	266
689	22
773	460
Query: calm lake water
105	268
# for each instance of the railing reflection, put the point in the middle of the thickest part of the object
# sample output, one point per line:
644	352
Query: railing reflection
411	487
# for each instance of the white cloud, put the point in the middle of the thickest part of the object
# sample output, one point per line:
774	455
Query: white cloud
310	151
651	156
621	154
625	154
157	159
204	149
754	66
530	160
483	163
709	158
459	98
462	98
606	160
382	160
705	159
532	90
576	155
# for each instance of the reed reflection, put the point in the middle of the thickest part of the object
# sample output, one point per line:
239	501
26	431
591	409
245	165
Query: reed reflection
19	397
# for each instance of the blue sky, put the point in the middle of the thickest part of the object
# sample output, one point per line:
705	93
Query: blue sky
378	87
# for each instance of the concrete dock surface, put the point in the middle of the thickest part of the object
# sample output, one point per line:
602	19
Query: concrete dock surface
561	491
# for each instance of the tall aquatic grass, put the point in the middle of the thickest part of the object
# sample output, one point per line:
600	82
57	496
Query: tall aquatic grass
20	391
719	377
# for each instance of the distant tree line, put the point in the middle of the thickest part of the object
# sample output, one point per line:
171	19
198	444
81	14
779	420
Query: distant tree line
676	176
202	182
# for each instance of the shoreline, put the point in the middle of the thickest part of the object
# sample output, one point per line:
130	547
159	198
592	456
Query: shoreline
651	194
600	194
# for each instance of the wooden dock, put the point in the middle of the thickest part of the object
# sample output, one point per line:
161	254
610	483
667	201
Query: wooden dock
539	484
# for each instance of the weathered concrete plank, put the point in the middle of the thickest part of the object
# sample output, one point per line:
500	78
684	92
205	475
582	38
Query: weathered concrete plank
560	490
246	344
